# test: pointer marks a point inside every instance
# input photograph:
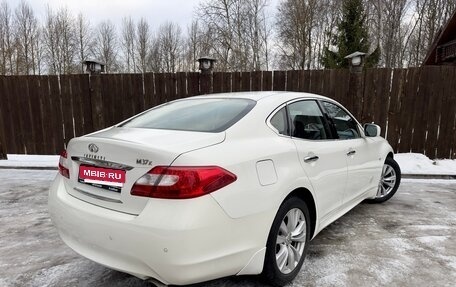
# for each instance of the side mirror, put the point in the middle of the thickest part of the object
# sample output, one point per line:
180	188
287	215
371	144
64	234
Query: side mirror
372	130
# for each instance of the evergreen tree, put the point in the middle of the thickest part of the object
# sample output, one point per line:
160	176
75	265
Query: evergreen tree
351	36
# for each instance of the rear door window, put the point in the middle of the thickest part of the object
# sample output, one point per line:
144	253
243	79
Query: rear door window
200	115
280	121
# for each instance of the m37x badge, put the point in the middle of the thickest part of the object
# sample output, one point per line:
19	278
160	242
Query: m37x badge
143	161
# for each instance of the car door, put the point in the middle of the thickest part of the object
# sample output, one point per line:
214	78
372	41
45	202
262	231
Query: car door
323	159
362	154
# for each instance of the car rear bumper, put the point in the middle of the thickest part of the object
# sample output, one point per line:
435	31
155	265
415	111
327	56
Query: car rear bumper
173	241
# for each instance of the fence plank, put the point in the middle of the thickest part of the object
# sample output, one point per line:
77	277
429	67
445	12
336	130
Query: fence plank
433	106
193	83
149	91
447	113
181	85
96	99
11	139
217	82
419	112
36	143
236	82
256	80
67	109
78	113
279	81
316	81
86	107
293	80
54	89
3	115
408	109
267	81
397	90
245	81
304	81
227	83
171	87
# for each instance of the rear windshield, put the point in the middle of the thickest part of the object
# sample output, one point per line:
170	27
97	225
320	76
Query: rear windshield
200	115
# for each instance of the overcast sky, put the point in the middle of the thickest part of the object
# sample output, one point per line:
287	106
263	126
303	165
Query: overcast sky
155	11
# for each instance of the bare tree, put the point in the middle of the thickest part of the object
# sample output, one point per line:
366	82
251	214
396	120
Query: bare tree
6	39
106	45
60	36
238	31
297	29
155	56
386	29
142	44
68	43
128	41
84	40
257	33
25	30
170	41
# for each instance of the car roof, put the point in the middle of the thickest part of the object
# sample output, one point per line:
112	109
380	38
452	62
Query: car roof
258	96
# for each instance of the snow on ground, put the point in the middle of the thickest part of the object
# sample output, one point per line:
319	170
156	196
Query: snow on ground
407	241
410	163
416	163
22	160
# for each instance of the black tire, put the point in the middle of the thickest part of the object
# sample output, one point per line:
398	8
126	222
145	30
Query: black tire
271	272
392	163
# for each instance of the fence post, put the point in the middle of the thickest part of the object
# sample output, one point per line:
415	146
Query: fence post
96	101
356	94
206	83
2	141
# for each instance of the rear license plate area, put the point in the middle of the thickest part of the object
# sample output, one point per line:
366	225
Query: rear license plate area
105	178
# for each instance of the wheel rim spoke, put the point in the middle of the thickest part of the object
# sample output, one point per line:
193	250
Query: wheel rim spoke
282	256
296	253
280	239
299	234
283	229
291	258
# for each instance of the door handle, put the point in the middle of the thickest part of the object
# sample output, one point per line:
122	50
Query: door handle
351	152
311	158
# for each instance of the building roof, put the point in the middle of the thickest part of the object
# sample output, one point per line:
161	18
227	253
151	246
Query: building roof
446	34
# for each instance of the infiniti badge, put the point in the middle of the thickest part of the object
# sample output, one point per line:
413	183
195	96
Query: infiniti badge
93	148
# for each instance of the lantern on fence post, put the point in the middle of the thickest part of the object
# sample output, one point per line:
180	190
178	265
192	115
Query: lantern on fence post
94	67
356	61
206	65
356	83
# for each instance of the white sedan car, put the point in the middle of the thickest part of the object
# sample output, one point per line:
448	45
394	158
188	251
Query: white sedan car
218	185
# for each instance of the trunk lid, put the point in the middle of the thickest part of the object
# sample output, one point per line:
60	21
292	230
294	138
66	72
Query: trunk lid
134	150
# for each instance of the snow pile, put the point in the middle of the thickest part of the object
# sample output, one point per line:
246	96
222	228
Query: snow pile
21	160
416	163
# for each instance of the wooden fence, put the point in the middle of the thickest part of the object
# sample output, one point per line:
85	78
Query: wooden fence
416	107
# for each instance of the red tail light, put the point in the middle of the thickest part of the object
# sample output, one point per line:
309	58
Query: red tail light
63	170
182	182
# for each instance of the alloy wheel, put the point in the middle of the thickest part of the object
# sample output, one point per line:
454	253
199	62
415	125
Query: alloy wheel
291	240
387	181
